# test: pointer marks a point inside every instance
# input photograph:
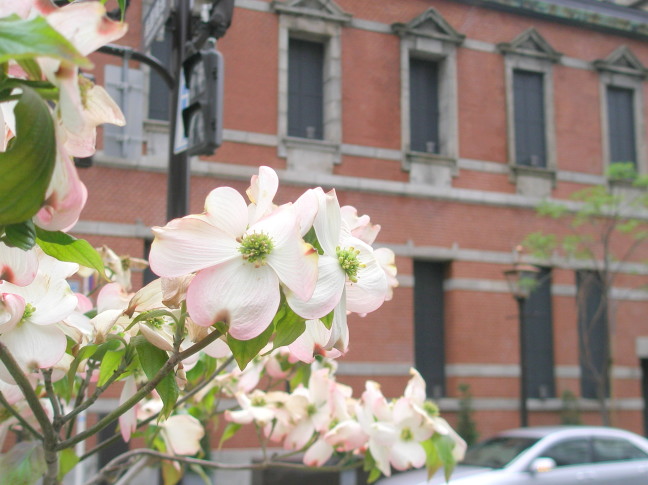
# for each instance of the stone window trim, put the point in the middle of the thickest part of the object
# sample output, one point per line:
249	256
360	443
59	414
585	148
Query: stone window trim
317	21
430	37
529	51
623	69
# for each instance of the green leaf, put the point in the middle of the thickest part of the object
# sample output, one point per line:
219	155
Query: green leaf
64	247
444	446
327	320
27	165
302	375
67	461
23	464
246	350
288	326
229	431
170	474
432	459
28	39
122	8
31	67
83	354
109	365
152	360
22	235
152	314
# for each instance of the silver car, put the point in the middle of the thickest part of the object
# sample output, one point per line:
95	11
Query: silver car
559	455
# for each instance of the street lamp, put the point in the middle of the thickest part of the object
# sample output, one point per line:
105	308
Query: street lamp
521	279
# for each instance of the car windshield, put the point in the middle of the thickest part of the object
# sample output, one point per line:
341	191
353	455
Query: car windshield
497	452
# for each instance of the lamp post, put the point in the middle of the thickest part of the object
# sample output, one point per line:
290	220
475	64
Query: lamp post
521	279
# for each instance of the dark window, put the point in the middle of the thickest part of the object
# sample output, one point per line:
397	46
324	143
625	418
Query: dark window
528	103
539	339
148	274
592	334
621	126
429	352
615	449
159	93
305	89
424	106
117	447
571	452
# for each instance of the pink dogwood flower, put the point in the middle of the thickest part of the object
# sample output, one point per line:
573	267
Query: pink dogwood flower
239	263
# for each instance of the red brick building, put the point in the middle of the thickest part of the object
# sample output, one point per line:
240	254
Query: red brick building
447	122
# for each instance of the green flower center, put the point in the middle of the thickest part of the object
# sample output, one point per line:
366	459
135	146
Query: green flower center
29	311
258	401
311	409
431	408
406	434
349	262
256	247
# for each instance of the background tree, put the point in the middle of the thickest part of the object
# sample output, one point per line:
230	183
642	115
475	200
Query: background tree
603	229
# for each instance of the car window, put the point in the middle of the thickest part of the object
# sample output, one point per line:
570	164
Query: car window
496	452
615	449
570	452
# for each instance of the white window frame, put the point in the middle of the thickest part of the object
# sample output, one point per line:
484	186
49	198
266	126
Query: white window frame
430	37
622	69
529	51
322	25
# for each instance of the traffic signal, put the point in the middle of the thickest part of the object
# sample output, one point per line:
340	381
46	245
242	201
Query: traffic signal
203	113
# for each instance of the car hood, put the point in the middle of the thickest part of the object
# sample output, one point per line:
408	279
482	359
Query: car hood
419	477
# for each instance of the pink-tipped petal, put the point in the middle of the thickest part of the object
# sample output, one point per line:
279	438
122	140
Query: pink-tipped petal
327	294
237	293
226	209
17	266
187	245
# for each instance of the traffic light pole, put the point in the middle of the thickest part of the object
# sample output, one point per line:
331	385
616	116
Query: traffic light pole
178	179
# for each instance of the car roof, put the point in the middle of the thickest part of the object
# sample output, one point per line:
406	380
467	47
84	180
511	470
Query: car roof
543	431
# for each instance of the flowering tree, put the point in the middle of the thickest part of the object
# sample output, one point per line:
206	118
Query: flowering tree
249	293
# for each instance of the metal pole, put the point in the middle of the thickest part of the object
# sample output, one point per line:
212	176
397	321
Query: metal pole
178	179
524	415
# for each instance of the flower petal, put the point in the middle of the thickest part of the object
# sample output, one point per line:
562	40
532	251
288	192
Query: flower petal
327	294
238	293
294	261
33	347
189	244
17	266
226	209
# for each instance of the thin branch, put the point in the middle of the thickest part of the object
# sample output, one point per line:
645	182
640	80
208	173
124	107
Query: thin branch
19	417
125	457
141	393
49	436
49	389
99	390
151	418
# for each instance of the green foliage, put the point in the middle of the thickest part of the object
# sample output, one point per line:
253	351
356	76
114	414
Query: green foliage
466	425
152	360
540	245
27	39
109	365
438	452
229	431
22	235
569	411
27	165
288	326
23	464
67	461
246	350
64	247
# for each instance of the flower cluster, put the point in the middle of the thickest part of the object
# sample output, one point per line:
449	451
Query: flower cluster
248	259
266	285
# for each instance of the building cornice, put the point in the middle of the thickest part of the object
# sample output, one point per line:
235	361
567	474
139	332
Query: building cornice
594	14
